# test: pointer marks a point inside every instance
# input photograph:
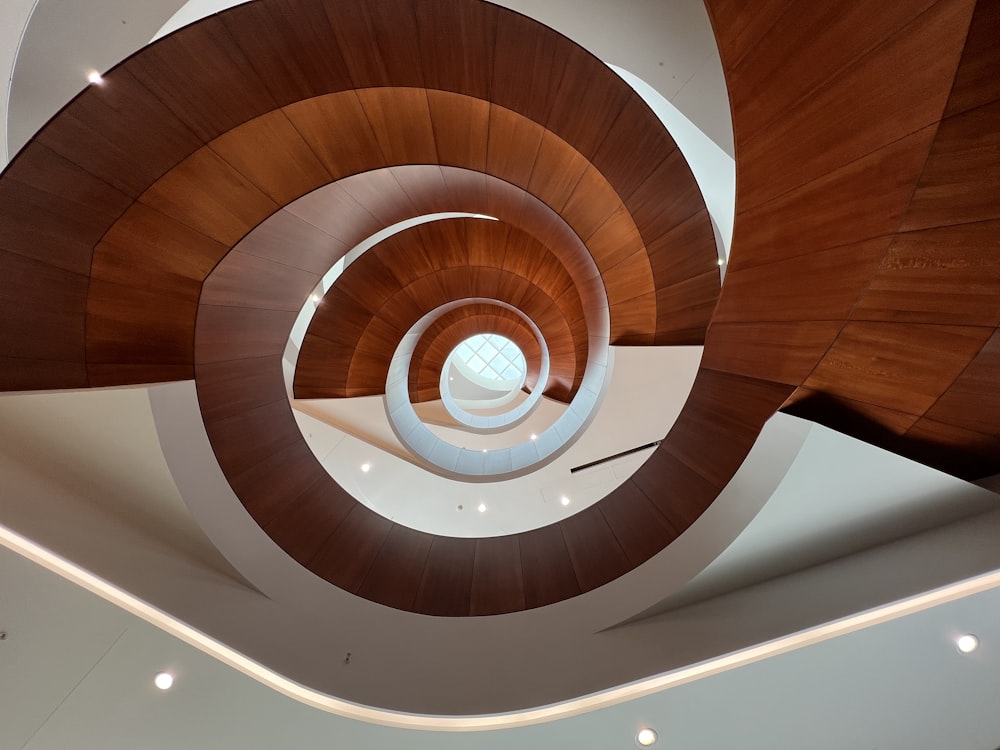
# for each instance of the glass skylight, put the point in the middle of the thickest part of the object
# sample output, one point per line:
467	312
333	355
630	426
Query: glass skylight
492	356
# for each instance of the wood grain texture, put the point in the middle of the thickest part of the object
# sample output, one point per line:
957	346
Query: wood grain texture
497	584
379	298
215	129
859	135
972	402
903	366
451	329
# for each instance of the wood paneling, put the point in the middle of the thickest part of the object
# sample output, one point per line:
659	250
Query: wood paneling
902	366
976	82
291	48
120	132
587	102
873	193
43	310
268	487
457	45
289	95
513	146
943	275
973	399
401	121
784	351
128	324
203	77
460	128
679	492
632	149
527	78
395	574
871	108
720	422
53	212
243	280
211	197
964	453
793	58
546	569
638	525
379	298
338	131
149	247
772	292
497	585
239	333
269	152
448	331
594	551
446	587
226	389
22	374
302	527
285	238
961	179
347	555
666	199
688	305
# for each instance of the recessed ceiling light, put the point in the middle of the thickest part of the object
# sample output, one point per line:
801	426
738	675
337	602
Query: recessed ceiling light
967	643
564	500
484	450
163	680
482	507
450	377
95	77
534	436
722	261
646	737
315	298
366	467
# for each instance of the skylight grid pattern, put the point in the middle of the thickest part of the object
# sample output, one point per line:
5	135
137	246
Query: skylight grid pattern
492	356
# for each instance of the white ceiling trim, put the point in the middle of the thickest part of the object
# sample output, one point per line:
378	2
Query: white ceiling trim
232	658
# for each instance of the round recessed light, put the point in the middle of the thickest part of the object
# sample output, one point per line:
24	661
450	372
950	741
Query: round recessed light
482	507
95	77
315	298
564	500
722	261
646	737
450	377
534	436
967	643
366	467
484	450
163	680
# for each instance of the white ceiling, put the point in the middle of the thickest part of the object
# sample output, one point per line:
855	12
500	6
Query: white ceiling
76	673
647	389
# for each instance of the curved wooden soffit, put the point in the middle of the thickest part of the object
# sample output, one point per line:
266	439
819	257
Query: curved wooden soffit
358	325
126	201
138	189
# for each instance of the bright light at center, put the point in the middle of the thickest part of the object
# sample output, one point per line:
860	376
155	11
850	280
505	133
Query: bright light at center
94	77
482	507
366	468
163	680
967	643
564	500
646	737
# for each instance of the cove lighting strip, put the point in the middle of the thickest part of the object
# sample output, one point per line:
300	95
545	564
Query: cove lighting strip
108	591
